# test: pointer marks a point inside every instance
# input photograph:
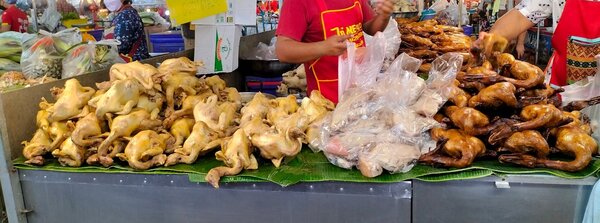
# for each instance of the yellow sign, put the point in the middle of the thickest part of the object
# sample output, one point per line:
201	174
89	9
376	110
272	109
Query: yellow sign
183	11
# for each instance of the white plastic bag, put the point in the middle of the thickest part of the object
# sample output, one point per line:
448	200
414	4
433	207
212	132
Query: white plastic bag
91	57
51	17
361	66
42	56
584	89
453	11
392	35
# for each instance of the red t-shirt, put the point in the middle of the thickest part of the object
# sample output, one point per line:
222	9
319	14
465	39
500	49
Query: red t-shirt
299	19
16	18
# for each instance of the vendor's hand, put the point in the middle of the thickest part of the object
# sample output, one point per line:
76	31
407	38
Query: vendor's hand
489	43
334	45
520	51
384	7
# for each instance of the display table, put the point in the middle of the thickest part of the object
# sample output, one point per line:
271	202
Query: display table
100	197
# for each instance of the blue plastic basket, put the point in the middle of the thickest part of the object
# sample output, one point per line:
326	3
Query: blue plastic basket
262	84
167	42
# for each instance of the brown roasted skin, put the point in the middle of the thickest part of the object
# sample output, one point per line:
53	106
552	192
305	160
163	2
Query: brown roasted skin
455	149
469	120
497	95
580	105
523	74
458	96
526	142
417	41
494	43
573	140
533	117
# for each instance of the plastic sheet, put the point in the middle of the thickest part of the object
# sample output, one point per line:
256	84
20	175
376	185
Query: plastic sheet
382	120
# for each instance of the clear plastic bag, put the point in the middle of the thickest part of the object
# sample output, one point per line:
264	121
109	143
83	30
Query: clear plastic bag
91	57
42	56
51	17
441	77
382	119
584	89
361	66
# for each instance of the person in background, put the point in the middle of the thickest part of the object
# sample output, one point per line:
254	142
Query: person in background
315	33
14	18
64	7
572	18
128	29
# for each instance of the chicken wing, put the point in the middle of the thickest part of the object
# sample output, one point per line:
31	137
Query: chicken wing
494	96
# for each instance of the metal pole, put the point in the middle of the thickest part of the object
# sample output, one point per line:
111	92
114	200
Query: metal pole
537	44
460	12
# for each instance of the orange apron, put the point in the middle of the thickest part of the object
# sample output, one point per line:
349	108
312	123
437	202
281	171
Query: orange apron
347	21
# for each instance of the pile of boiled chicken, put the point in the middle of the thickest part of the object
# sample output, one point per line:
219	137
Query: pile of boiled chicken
510	115
426	40
152	117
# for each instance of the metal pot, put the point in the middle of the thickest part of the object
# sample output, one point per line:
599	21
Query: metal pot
265	68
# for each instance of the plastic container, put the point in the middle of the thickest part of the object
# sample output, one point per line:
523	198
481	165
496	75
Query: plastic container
263	84
468	30
428	14
167	42
97	34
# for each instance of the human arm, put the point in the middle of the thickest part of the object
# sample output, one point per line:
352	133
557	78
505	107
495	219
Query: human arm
384	9
521	45
6	21
292	51
5	27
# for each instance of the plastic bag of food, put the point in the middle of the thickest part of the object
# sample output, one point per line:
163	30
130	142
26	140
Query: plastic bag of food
43	56
51	17
584	89
392	35
401	85
439	84
360	67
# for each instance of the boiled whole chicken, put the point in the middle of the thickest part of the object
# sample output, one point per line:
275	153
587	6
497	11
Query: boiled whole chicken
236	153
70	101
145	150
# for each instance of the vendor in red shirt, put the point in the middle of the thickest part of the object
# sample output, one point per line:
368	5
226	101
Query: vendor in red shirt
14	19
314	32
